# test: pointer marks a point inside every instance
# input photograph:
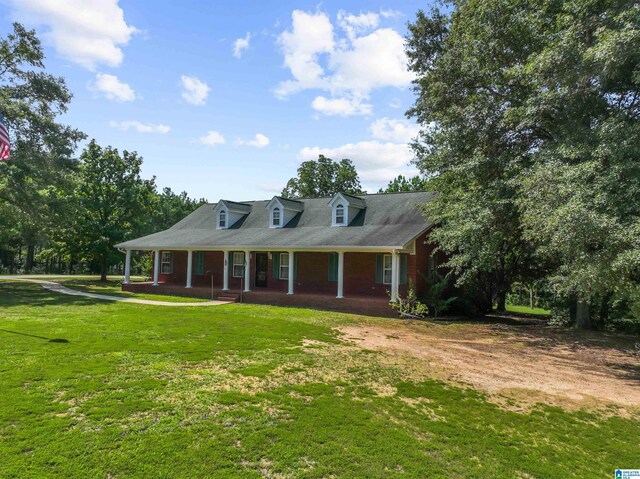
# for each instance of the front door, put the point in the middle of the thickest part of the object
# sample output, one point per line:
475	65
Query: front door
262	268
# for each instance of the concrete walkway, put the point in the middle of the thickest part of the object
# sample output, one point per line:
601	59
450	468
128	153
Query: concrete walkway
58	288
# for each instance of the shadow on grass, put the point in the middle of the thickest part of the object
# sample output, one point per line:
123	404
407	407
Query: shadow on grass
15	294
50	340
627	371
536	333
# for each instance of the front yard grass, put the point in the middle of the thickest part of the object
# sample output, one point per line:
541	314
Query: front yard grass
103	389
114	288
512	308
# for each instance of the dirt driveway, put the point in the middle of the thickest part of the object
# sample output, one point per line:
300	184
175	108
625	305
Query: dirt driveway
530	362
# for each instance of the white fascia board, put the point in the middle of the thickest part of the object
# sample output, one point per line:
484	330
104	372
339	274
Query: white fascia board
327	249
271	203
345	200
408	245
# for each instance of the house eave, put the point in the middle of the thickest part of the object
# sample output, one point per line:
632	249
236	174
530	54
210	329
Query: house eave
324	249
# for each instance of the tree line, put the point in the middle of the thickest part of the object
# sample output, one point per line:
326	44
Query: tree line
530	138
58	213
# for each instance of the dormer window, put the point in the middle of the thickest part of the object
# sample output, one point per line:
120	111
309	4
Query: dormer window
228	214
345	208
340	215
282	211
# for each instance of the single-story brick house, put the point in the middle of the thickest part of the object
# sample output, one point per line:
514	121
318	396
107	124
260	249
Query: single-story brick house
346	252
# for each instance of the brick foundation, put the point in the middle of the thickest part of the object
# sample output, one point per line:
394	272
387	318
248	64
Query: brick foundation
358	305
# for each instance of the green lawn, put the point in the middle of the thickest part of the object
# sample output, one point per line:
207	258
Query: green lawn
113	288
104	389
527	310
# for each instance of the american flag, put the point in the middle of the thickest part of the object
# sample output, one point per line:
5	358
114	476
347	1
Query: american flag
5	143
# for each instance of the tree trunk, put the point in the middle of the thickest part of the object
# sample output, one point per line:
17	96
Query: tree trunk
30	260
103	269
531	297
583	316
501	301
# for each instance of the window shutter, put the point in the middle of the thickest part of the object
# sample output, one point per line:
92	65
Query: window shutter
333	266
199	259
295	266
276	265
403	268
379	268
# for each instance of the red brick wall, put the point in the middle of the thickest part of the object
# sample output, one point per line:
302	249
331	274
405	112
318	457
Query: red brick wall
424	249
312	273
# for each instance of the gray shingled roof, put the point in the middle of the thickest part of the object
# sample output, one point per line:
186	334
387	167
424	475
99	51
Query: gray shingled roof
389	220
355	200
293	204
235	206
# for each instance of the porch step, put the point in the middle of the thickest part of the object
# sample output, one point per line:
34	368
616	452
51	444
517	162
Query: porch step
232	298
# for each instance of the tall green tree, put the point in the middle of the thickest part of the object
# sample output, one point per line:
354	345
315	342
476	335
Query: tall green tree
113	203
581	197
170	207
35	184
401	183
530	115
465	146
323	177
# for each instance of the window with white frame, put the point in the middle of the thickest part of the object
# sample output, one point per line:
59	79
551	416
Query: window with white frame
238	265
166	262
222	219
284	265
340	215
275	217
386	268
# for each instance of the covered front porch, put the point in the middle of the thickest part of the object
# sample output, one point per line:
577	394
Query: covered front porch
367	305
337	280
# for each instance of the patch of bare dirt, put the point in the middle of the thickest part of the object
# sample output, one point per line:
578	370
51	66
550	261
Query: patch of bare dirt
533	363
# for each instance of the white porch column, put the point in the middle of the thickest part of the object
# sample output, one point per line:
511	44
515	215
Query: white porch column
340	294
225	273
189	267
156	266
247	271
395	274
127	267
290	277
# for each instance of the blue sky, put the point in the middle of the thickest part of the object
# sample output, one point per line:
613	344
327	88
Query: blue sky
225	99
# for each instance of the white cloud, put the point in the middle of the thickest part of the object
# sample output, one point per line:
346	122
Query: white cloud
241	44
376	162
311	35
212	138
272	188
194	90
355	25
399	131
348	66
373	61
259	141
341	106
87	32
140	127
112	88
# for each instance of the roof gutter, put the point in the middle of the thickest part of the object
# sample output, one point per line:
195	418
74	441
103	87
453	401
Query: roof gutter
323	249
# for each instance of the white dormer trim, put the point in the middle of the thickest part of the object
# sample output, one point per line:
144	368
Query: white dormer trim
232	212
284	210
348	206
222	219
276	217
